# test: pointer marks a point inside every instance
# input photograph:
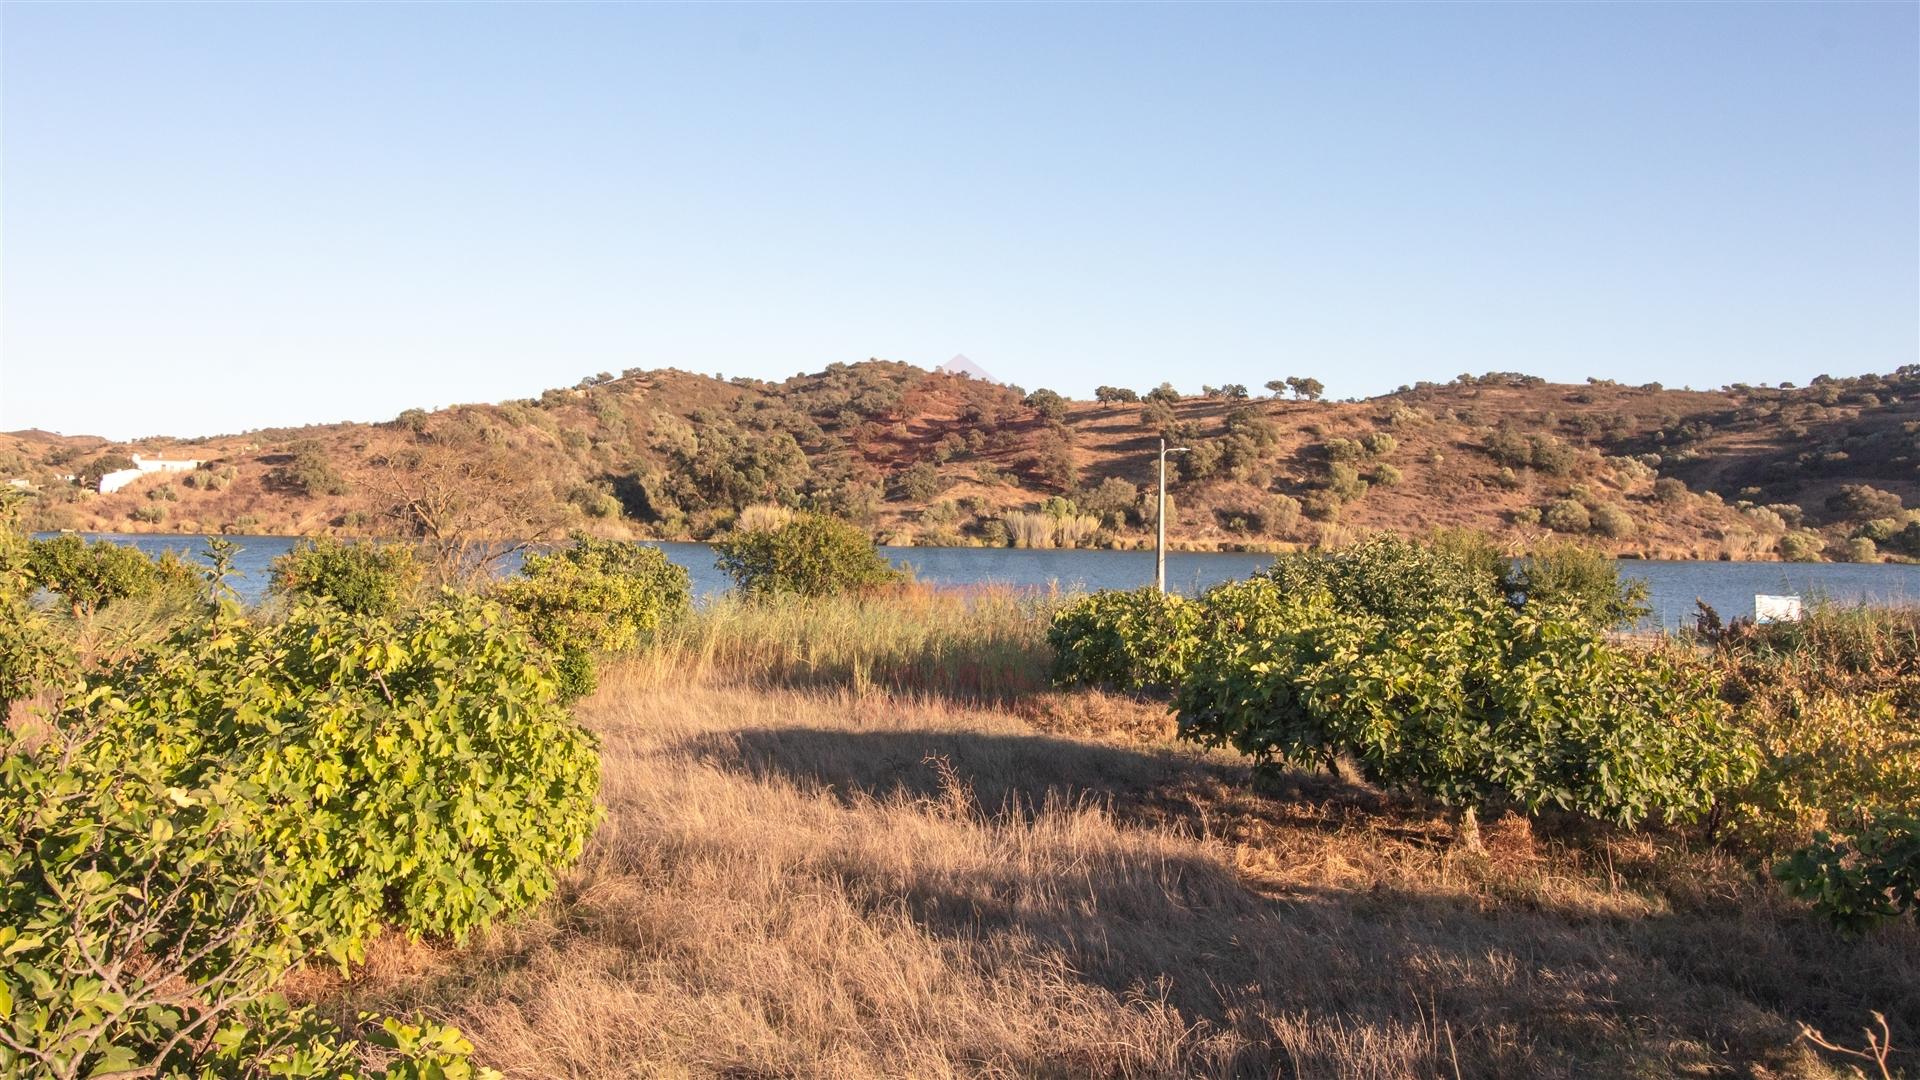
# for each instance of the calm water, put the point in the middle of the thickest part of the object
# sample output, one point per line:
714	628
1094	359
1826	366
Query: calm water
1674	586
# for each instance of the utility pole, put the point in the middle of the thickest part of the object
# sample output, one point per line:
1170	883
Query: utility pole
1160	519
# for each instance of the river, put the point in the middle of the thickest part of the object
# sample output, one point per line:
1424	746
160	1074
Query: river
1673	586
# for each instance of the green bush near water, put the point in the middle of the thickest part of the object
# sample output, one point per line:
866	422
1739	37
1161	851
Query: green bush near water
1136	640
810	555
1475	706
363	578
595	596
417	773
90	576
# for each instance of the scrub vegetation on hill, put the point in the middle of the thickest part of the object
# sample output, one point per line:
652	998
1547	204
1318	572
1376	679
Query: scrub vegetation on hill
1824	471
1397	809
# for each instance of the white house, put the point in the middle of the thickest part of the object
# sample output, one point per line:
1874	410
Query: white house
142	466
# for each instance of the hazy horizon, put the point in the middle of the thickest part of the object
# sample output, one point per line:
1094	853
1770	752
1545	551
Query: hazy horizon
224	218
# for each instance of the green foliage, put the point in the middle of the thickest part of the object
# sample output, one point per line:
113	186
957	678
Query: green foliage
91	576
144	924
1579	583
596	596
811	555
308	471
1567	516
1344	483
1049	405
1509	447
1386	576
1863	501
1473	705
1801	547
1128	640
362	578
1613	522
418	773
1669	491
1857	880
919	482
1830	702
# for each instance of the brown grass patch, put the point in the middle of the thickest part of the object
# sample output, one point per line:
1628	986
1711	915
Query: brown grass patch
816	882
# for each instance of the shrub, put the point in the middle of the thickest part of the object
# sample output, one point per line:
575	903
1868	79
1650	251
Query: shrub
1613	522
1386	475
150	514
918	482
1474	706
1109	500
1135	640
1567	516
1801	547
1860	550
1860	879
307	471
145	923
364	578
1049	405
1579	583
1669	490
1862	501
1379	443
89	576
595	596
1829	701
811	555
1344	483
1277	514
1386	576
418	773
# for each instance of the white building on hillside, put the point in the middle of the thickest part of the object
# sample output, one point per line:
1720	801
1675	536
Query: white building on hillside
142	466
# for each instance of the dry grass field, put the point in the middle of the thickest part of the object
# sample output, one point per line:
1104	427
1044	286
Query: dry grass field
825	877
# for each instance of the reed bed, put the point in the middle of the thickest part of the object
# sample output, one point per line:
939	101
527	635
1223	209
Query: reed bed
976	644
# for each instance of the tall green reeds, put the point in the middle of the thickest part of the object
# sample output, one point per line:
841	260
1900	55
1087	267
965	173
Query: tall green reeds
981	644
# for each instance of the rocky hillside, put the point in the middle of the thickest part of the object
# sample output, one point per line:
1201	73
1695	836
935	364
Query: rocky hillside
933	458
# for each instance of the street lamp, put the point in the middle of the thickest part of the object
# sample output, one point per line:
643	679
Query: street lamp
1160	518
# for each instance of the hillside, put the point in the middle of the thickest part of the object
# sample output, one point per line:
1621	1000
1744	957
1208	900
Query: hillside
935	458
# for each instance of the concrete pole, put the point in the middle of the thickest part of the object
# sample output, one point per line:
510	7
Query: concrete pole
1160	525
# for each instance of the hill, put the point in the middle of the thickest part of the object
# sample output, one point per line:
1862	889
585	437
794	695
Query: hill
925	457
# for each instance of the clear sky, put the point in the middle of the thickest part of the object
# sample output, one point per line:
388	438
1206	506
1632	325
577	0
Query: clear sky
230	216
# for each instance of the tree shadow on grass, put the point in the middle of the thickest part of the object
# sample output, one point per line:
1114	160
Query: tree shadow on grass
1513	989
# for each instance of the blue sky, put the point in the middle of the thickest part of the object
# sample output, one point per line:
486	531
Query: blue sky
222	217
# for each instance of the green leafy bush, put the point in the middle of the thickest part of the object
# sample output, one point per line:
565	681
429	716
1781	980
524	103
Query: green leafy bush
1830	702
812	555
1567	516
363	578
418	773
1860	879
91	576
1132	640
1579	583
1473	705
1384	575
596	596
144	925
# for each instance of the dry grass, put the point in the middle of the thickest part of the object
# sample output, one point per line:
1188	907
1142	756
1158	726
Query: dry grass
808	881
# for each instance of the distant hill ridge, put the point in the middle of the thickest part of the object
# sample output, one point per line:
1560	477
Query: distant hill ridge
1826	470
